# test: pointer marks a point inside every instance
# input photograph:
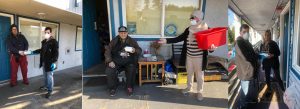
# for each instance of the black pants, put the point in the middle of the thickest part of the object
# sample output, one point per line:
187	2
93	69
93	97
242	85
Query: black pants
112	79
276	74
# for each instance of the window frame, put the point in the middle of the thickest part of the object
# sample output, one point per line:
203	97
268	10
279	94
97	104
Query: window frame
162	21
296	38
41	22
78	27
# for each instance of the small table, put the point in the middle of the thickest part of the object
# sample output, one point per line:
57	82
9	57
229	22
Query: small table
148	62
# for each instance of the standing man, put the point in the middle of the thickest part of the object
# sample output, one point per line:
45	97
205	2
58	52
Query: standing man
247	67
48	56
122	52
16	45
194	57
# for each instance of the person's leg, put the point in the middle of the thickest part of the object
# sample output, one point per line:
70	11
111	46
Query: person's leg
130	73
278	78
44	87
111	76
50	81
190	75
14	70
244	93
24	69
197	62
197	65
268	76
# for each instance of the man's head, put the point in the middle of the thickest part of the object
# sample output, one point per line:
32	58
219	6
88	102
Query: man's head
196	17
48	32
123	33
14	29
244	29
267	36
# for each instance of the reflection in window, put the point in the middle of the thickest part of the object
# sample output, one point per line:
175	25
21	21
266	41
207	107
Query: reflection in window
78	45
177	14
143	17
33	30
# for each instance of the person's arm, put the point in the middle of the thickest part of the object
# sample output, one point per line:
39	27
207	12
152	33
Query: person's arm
107	53
274	49
25	42
246	49
179	38
10	47
54	51
136	47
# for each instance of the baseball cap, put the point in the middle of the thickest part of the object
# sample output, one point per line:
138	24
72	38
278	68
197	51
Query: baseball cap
122	29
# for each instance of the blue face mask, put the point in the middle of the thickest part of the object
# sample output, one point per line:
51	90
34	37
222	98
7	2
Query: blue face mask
193	22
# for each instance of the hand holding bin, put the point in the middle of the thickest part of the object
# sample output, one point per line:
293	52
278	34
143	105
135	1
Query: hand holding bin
214	36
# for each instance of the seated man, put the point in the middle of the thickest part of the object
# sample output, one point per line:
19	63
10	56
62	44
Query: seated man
122	52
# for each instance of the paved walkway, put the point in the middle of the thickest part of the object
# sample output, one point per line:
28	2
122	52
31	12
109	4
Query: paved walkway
153	96
67	92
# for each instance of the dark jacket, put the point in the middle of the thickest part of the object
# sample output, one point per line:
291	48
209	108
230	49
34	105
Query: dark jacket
114	46
271	48
16	44
48	53
183	37
246	60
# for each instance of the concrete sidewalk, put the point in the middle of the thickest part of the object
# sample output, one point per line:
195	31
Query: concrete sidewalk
153	96
66	94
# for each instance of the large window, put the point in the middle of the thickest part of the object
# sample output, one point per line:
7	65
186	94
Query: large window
33	30
78	45
159	17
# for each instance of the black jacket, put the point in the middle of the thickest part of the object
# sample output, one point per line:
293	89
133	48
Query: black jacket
48	53
111	52
183	37
16	44
272	48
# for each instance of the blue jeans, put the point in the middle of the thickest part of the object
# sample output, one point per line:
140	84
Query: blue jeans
48	80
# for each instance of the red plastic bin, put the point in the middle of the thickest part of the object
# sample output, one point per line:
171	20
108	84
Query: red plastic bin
206	38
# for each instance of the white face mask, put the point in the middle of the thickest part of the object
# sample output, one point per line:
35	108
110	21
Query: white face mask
246	36
47	36
193	22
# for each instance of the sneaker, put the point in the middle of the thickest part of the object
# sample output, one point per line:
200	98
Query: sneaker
129	91
48	95
200	97
185	91
112	92
43	88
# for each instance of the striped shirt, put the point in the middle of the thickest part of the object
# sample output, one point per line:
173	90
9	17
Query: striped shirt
192	47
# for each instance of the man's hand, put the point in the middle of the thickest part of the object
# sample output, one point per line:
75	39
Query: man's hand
21	53
212	48
53	66
133	50
112	64
162	41
270	55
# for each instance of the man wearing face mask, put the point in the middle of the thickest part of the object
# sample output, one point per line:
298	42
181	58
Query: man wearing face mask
48	56
247	67
192	57
16	45
122	52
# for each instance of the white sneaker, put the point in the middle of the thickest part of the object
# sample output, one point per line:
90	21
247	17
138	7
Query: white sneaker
200	97
185	91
